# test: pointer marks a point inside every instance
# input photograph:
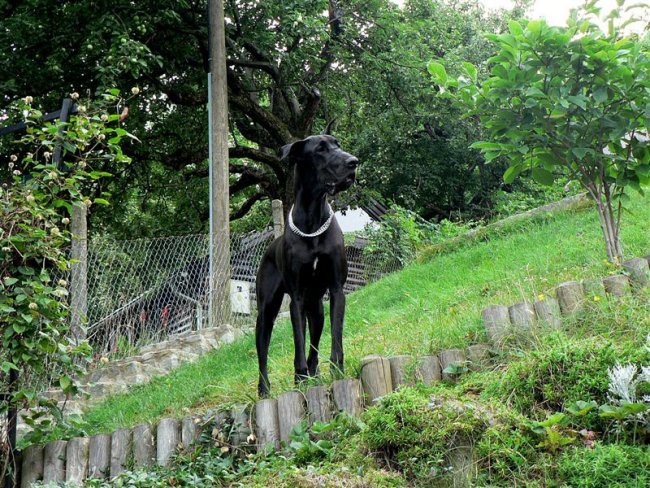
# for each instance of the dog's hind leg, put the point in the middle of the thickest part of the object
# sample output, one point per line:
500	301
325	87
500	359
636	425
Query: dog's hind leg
269	300
316	319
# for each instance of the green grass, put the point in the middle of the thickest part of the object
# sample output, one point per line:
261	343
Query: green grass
430	305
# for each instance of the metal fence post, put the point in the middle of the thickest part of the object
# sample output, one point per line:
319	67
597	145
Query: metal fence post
199	315
278	218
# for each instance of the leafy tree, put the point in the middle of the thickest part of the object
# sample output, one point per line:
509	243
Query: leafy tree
570	100
279	54
293	66
415	146
37	348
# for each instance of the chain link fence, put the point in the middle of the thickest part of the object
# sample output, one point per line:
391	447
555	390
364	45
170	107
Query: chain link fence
143	291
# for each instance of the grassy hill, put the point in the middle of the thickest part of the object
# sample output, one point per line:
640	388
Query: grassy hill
433	304
517	415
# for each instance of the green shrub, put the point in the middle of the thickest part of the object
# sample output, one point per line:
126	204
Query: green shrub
561	372
415	433
613	466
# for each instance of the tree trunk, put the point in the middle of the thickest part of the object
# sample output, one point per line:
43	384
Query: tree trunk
609	227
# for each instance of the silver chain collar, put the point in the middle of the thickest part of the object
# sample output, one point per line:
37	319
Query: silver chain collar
318	232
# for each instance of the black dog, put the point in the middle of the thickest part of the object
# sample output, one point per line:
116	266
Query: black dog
309	259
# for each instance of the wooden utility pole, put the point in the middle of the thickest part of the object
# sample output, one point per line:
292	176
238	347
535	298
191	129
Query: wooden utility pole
219	197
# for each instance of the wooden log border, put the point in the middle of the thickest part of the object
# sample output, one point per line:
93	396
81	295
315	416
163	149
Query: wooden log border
107	454
271	420
568	298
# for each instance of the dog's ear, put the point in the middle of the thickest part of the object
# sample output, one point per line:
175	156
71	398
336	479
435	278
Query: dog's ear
292	149
329	128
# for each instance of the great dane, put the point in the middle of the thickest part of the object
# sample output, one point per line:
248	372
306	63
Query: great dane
308	260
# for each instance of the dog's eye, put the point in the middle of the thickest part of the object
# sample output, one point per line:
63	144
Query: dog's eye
321	147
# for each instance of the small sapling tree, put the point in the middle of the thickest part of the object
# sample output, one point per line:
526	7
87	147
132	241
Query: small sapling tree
36	200
572	100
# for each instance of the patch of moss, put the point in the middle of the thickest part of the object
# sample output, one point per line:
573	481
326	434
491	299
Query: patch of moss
613	466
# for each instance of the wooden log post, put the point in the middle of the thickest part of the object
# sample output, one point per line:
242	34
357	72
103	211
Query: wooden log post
548	312
144	446
291	411
121	444
241	424
79	272
348	396
277	210
451	358
99	456
398	370
478	356
428	370
267	425
376	377
570	297
617	285
76	465
522	316
319	404
54	462
496	320
190	431
32	466
168	437
638	271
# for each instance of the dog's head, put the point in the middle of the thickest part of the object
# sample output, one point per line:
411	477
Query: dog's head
320	161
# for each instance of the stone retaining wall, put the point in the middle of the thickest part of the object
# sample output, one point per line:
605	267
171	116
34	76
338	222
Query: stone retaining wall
154	360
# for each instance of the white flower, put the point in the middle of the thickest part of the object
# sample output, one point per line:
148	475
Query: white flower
623	383
60	292
53	174
135	90
11	165
47	154
6	249
104	117
74	96
55	231
65	220
62	283
101	137
30	198
33	306
13	158
81	109
28	100
17	172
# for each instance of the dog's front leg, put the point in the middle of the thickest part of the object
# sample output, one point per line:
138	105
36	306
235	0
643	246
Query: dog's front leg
337	314
298	322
